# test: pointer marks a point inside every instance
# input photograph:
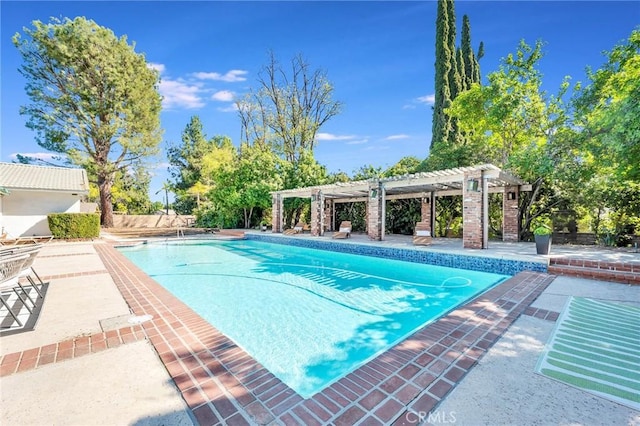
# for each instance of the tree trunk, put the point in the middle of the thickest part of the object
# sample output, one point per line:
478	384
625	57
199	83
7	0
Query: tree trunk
248	225
105	182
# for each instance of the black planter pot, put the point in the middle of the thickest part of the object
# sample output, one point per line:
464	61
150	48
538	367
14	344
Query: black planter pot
543	244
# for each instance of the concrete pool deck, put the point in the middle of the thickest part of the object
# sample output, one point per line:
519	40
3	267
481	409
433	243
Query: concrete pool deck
176	369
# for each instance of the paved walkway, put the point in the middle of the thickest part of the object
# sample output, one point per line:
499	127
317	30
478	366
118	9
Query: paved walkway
177	369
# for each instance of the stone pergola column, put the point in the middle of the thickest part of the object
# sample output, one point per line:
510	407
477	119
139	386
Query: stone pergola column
375	211
329	209
317	214
473	218
510	214
276	213
427	210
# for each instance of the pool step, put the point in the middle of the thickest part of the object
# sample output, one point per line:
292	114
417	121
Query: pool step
621	272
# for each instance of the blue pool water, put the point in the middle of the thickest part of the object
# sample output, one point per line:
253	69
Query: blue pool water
309	316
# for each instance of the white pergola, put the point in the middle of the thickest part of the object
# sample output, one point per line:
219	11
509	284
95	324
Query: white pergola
474	180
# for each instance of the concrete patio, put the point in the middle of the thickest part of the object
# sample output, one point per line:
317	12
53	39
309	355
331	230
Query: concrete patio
121	379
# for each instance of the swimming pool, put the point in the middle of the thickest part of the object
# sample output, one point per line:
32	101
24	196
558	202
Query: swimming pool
309	316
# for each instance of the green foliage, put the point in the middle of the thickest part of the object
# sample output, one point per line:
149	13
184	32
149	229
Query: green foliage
542	226
608	110
445	63
456	71
367	172
130	192
243	186
405	166
471	72
74	225
401	216
92	97
542	230
194	162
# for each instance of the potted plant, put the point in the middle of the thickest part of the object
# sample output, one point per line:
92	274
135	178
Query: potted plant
542	234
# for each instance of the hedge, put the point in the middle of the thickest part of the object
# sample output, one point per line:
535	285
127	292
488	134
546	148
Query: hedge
74	225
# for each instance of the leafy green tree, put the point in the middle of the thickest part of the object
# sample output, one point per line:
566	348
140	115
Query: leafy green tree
514	124
338	177
367	172
256	176
130	191
192	161
92	97
606	114
608	110
404	166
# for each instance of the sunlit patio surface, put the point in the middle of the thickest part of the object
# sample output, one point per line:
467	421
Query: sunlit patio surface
87	363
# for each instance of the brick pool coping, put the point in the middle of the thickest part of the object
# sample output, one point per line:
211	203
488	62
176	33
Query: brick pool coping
222	384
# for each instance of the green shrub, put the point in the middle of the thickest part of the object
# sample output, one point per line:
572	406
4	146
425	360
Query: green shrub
74	225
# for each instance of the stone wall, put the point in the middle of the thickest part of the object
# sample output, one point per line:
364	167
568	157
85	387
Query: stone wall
152	221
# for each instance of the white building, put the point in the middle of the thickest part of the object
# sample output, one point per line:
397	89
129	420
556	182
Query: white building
29	193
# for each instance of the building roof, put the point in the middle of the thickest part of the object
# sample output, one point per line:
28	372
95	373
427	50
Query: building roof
442	182
43	178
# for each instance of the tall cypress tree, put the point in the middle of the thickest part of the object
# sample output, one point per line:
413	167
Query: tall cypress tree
463	77
455	83
456	70
445	63
478	57
468	56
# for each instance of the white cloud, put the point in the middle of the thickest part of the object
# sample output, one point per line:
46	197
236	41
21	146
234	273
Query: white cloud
191	92
230	108
179	94
231	76
158	67
427	99
396	137
357	142
223	96
332	137
46	156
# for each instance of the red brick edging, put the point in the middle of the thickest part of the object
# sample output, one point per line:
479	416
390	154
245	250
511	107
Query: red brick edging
622	272
30	359
222	384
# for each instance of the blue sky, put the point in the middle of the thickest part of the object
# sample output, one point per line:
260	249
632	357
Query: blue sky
378	55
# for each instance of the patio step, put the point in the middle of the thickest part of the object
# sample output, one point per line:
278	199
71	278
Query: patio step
621	272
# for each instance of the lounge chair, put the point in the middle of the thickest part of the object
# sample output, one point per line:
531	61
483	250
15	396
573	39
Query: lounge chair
295	230
11	265
344	231
42	239
32	250
422	234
